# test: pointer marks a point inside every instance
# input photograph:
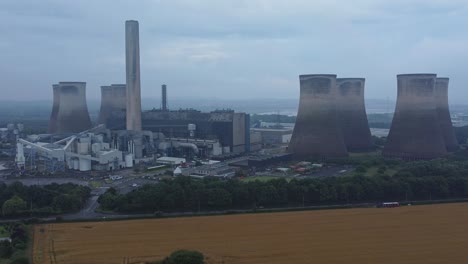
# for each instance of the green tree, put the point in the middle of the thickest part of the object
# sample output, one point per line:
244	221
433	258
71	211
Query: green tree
186	257
5	249
13	206
21	260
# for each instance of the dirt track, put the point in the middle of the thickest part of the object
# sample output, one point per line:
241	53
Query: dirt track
417	234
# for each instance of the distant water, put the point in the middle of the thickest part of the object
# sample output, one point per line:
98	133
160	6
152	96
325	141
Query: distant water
380	132
2	167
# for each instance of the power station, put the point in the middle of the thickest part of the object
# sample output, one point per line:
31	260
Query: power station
443	114
113	101
317	132
352	114
415	132
69	110
331	121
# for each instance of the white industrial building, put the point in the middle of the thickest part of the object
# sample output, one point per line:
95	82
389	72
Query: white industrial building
82	152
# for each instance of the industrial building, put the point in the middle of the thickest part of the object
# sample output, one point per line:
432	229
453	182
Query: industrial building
415	132
189	132
273	136
69	110
443	114
352	114
113	101
83	152
317	132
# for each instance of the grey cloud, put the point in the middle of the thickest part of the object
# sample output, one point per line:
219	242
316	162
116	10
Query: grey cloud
232	48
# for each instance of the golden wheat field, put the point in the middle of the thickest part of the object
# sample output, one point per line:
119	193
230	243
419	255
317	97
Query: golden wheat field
413	234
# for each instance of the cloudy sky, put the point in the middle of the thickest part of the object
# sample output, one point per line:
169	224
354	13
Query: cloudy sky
230	48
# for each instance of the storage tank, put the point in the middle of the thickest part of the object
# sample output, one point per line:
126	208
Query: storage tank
129	160
317	132
85	165
76	164
83	148
415	132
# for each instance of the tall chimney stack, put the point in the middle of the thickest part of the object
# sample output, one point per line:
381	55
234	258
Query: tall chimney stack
164	97
132	56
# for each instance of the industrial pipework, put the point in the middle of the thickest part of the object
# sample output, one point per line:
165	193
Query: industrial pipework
415	132
443	114
69	111
317	132
352	114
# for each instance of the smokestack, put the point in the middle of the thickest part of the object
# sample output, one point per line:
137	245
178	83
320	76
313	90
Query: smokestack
443	114
352	114
69	110
113	99
317	132
415	131
132	55
164	97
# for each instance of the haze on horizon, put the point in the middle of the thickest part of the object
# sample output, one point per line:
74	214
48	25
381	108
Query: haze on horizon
242	49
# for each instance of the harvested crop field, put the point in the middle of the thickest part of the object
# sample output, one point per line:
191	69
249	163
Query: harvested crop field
413	234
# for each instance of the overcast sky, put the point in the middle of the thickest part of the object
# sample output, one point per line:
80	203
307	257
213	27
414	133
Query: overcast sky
230	48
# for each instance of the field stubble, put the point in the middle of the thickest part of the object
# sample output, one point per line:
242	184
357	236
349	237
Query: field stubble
413	234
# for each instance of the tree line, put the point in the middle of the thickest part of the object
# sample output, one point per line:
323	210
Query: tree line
17	199
413	181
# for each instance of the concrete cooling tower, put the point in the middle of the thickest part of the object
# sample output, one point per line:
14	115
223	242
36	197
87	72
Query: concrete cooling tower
415	132
352	114
443	114
132	57
113	99
69	110
317	132
53	117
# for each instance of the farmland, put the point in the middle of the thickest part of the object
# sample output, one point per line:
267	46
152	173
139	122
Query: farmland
412	234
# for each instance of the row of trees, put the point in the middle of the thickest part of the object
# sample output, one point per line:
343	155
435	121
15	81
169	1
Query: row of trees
414	181
18	199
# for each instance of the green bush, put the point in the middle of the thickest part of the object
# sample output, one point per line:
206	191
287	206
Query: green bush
21	260
185	257
5	249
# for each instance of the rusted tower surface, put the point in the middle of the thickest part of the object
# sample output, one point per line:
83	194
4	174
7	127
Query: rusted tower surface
352	114
415	132
69	111
317	132
443	114
113	99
